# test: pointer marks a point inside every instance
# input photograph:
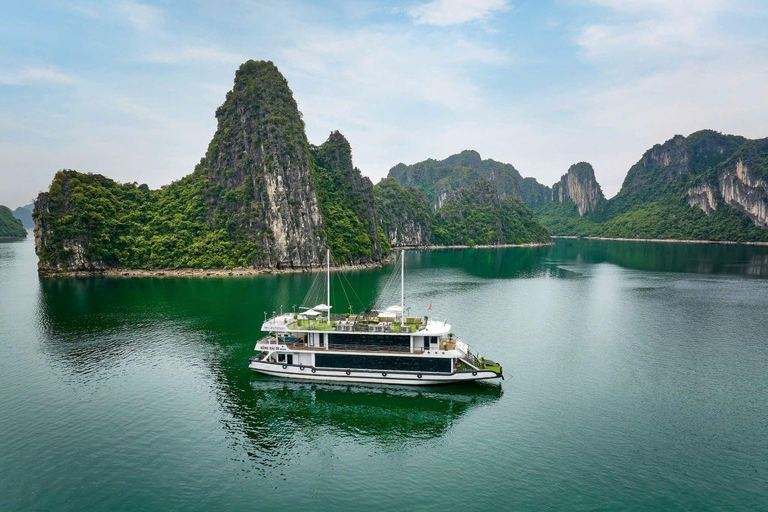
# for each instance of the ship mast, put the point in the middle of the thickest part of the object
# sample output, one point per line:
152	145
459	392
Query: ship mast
328	272
402	286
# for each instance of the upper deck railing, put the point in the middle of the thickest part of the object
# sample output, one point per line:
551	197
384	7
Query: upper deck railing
356	323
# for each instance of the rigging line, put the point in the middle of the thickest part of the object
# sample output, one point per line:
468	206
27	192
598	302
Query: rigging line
314	292
343	289
352	288
386	289
340	276
387	292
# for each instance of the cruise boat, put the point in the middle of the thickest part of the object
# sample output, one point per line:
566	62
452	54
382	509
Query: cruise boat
380	346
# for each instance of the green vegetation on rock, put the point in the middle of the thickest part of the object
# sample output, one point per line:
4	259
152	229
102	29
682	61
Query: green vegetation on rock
404	214
441	179
461	200
474	215
257	198
89	222
10	226
480	215
347	204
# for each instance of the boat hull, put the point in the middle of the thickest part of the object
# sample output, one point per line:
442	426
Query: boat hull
402	378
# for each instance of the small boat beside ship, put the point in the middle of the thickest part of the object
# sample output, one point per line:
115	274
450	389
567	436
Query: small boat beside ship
379	346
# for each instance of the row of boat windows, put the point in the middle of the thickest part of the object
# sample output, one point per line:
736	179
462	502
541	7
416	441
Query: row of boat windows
377	340
411	364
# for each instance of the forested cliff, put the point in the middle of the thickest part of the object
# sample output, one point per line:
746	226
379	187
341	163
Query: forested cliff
257	198
462	200
706	186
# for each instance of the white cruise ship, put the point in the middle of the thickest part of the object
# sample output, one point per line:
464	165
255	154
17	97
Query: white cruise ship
384	346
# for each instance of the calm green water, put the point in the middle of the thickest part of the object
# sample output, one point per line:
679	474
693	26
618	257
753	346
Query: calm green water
637	379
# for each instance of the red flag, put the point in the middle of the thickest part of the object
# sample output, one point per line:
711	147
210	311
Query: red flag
430	307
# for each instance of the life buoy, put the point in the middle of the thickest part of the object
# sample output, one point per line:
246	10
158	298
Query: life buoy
418	375
285	366
348	372
301	367
474	373
383	374
313	370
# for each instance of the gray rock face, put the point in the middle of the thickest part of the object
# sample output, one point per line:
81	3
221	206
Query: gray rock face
408	234
703	196
74	249
742	190
579	184
260	152
737	186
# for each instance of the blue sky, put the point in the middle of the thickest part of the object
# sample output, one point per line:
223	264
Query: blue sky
128	88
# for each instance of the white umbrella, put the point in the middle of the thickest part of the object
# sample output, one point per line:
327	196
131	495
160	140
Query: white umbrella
387	314
311	312
394	309
322	307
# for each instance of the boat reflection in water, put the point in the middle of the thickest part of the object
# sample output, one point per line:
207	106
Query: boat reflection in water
380	414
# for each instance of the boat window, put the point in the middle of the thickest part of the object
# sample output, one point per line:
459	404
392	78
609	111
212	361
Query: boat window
280	358
423	364
290	358
373	340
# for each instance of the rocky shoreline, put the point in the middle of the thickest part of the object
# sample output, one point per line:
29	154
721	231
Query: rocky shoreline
662	240
202	272
251	271
478	246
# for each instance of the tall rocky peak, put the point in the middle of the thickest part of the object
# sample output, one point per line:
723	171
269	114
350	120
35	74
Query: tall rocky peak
343	189
335	153
259	160
580	186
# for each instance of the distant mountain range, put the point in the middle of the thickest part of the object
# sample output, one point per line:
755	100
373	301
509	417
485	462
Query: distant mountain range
10	226
262	196
707	186
24	214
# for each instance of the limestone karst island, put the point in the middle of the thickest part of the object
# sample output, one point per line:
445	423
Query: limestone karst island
264	197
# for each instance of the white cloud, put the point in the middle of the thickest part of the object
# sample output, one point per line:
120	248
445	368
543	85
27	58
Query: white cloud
640	27
31	75
385	64
141	16
455	12
195	54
